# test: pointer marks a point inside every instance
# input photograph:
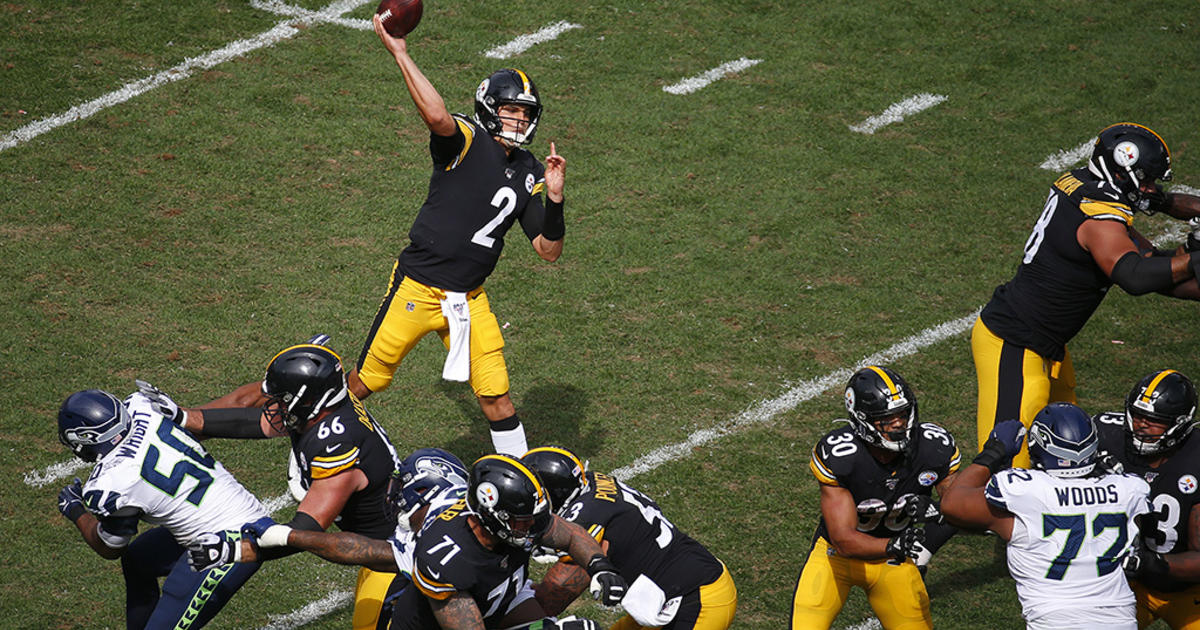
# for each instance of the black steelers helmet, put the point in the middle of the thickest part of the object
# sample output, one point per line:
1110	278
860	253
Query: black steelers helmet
91	423
875	393
560	471
507	87
300	382
1128	155
509	499
1164	397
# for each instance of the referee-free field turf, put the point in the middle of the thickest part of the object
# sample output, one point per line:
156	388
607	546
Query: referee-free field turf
728	248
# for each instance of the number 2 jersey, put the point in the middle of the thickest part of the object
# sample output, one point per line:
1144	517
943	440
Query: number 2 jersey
881	490
160	474
1174	489
347	438
476	193
1068	537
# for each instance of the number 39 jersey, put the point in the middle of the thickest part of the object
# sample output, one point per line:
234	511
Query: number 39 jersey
161	474
1068	536
1174	485
881	490
449	558
641	541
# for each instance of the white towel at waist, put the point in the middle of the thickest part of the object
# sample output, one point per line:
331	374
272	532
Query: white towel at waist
458	316
648	604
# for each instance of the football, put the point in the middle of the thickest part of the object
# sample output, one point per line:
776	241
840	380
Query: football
399	17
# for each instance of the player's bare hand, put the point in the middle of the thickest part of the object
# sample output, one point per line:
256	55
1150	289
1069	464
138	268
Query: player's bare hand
395	45
556	171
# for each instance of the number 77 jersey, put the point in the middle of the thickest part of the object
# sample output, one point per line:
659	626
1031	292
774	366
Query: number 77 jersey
1068	536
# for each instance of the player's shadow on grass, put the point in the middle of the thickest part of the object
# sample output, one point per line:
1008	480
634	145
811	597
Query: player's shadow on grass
990	569
550	412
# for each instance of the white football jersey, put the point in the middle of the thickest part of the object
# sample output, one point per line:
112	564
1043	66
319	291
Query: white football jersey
161	471
1067	541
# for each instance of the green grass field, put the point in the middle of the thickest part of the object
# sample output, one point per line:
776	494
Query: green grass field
726	248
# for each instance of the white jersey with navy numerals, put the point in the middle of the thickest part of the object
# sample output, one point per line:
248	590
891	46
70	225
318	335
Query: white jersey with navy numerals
161	471
404	542
1067	541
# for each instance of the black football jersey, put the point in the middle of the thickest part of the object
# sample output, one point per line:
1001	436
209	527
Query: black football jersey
881	490
350	438
641	541
449	558
1174	485
1058	284
475	196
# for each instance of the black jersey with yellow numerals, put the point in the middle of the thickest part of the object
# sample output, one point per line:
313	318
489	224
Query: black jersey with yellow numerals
641	541
1174	485
347	438
475	195
881	490
1058	284
449	558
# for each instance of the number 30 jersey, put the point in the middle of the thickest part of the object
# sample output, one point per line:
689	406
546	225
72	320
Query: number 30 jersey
1068	537
161	474
1174	488
881	490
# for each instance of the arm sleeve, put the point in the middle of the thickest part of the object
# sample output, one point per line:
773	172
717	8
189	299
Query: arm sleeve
1137	275
936	535
237	422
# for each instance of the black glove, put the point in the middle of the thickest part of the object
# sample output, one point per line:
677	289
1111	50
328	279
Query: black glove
161	402
607	586
70	501
1109	462
1144	564
1152	202
907	544
921	508
212	550
1004	442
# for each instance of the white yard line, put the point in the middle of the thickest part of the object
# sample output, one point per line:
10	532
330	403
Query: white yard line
897	112
1068	158
687	86
279	32
330	603
525	42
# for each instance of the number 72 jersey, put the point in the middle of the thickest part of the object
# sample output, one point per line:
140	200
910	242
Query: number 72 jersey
1068	535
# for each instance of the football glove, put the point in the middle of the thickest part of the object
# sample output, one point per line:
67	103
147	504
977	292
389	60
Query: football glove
1004	442
266	532
1192	244
1144	564
907	544
921	508
607	586
212	550
162	403
1152	202
70	501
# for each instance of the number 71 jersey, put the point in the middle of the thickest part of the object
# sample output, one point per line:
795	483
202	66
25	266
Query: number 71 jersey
1068	536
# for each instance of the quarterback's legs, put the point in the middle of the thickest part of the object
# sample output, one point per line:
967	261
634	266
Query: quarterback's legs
369	594
409	311
1013	383
899	598
822	588
149	557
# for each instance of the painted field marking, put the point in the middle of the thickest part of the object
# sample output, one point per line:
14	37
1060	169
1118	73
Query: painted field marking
525	42
314	17
1068	158
278	33
896	112
689	85
330	603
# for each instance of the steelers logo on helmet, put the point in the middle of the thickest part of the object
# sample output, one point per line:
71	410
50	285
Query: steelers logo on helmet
1126	154
882	408
487	494
482	89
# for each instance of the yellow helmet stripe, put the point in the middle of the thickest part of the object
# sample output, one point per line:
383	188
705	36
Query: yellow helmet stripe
304	345
892	389
541	492
1145	128
561	451
1154	384
524	80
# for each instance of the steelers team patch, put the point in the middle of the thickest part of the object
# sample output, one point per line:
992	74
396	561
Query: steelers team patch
927	478
1187	484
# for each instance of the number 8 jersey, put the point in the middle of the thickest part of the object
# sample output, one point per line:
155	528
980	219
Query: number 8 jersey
162	475
880	490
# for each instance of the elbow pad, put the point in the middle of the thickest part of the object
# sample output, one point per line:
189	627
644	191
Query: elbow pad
1138	275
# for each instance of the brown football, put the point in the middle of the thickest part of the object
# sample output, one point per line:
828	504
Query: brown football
399	17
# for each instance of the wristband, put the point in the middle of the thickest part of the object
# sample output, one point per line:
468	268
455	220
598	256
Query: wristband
74	512
275	536
554	225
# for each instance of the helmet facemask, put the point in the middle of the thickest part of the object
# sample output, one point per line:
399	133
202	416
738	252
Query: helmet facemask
300	382
508	87
876	396
1167	399
1131	158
